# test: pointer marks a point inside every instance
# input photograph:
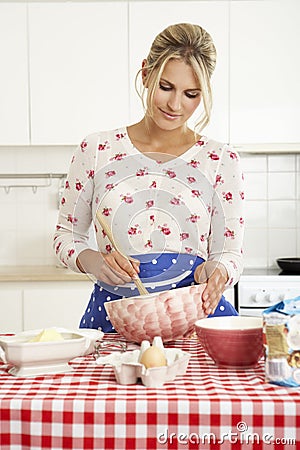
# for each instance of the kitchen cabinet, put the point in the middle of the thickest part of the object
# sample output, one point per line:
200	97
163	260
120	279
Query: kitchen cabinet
41	304
78	69
11	309
148	18
14	106
264	71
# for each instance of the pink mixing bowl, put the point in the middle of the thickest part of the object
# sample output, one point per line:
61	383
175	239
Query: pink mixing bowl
169	314
233	341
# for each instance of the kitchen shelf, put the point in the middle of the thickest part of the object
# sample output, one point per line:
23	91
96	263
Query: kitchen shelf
29	176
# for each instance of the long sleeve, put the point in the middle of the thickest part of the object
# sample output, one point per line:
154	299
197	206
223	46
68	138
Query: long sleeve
75	214
227	215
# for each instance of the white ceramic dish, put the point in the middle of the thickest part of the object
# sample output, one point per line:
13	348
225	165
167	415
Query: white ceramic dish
40	358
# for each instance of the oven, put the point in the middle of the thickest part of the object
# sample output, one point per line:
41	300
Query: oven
258	289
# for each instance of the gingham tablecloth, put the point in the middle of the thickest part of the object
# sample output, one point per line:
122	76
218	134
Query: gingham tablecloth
207	408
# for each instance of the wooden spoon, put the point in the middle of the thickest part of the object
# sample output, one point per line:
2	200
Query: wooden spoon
141	288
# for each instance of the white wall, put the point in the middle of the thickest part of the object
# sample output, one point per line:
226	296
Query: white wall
28	219
272	208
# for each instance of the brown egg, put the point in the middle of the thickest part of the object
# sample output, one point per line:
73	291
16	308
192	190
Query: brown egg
153	357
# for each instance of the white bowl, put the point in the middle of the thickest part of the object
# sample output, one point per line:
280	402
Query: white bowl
38	358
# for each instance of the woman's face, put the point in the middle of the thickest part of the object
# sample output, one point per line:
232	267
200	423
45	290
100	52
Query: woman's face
177	96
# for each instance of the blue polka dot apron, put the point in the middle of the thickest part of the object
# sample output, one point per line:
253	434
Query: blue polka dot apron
158	273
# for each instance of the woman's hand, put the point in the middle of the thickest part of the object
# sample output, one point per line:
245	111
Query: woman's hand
216	277
112	268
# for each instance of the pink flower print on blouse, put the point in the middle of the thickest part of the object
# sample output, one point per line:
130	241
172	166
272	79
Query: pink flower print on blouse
164	229
67	185
106	211
149	203
142	172
57	247
191	179
200	143
241	221
242	195
63	200
229	233
118	157
203	237
127	198
120	136
184	236
151	219
108	248
148	244
78	185
90	173
103	146
72	219
188	249
109	186
71	252
194	163
219	180
110	173
196	193
213	156
232	154
170	173
134	230
193	218
227	196
175	201
153	184
233	264
83	145
73	159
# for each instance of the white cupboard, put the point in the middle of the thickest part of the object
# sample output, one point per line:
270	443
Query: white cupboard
14	88
264	71
148	18
34	305
68	68
78	69
11	309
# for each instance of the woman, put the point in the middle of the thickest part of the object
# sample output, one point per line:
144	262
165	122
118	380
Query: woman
172	197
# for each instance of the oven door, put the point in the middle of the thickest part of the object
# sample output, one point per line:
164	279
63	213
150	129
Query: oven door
254	311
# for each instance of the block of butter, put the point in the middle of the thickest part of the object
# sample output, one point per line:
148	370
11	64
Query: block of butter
47	335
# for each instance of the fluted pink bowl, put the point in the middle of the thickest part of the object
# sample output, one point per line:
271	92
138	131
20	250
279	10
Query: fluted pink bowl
169	314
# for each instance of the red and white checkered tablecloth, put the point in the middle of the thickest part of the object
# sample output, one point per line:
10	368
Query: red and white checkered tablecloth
207	408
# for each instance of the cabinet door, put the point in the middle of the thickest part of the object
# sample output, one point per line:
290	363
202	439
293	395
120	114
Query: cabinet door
147	19
14	123
264	71
79	69
59	304
11	310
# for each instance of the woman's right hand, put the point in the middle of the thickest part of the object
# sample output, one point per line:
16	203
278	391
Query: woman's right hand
112	268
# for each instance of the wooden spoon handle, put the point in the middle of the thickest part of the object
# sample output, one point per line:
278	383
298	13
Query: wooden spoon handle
141	288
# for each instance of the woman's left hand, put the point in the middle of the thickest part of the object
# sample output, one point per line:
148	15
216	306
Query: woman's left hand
215	275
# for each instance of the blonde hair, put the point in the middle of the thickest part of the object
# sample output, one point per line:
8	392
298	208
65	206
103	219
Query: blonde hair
191	44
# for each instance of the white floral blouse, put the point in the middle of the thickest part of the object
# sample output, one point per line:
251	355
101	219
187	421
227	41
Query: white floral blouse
190	204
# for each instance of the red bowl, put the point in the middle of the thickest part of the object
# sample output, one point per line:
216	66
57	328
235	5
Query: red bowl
232	341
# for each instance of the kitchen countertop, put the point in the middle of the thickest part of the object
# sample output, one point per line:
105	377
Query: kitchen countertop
40	273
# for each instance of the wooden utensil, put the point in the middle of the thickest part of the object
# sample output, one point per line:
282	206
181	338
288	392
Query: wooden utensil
141	288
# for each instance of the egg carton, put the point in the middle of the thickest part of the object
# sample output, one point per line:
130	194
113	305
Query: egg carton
128	368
